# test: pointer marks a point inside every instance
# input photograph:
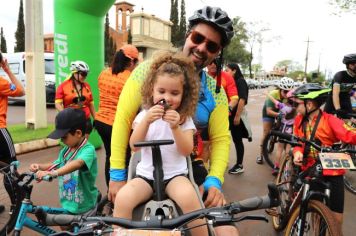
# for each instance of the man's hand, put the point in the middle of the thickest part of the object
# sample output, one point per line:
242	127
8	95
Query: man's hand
114	188
215	197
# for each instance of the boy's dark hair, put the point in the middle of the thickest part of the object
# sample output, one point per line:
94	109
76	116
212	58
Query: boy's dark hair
81	127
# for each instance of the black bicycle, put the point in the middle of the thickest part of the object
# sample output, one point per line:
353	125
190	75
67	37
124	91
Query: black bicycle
298	212
215	216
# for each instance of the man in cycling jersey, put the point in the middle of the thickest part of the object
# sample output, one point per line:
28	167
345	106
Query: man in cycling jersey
339	99
210	30
326	129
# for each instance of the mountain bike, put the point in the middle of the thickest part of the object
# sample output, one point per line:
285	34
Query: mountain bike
216	216
269	142
298	212
22	209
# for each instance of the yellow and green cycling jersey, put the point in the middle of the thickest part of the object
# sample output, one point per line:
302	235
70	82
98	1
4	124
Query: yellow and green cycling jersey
129	104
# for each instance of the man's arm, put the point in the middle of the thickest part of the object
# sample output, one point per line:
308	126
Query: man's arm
336	96
127	108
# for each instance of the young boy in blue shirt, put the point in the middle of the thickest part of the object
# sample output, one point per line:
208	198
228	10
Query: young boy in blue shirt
76	166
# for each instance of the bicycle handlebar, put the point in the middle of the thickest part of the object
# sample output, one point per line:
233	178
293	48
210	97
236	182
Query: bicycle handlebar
290	138
219	215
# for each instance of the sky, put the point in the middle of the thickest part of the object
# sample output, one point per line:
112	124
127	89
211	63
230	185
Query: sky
290	23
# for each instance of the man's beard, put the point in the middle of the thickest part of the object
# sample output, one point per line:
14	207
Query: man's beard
352	73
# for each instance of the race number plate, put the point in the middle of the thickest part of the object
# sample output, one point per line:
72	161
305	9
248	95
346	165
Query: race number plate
332	161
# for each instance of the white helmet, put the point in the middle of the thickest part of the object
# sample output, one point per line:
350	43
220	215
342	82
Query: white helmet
286	83
77	66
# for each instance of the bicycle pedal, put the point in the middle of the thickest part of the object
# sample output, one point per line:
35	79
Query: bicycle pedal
272	212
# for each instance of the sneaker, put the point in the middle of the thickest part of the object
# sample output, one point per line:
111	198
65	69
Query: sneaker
236	169
259	160
275	171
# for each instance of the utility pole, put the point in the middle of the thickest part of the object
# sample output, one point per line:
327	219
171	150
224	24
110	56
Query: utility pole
306	58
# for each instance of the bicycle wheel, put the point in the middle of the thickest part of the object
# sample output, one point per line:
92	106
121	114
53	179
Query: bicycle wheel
268	148
105	207
10	198
284	181
319	221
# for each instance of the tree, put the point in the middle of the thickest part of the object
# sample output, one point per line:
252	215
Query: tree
254	35
182	24
20	32
236	51
174	19
3	47
109	44
344	5
291	65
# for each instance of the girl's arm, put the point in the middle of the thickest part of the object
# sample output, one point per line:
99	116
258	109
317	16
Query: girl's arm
183	140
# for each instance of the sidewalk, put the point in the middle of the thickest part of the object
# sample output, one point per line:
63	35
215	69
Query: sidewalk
35	145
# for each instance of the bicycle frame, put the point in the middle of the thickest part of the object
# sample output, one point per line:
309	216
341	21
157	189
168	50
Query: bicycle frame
303	197
23	220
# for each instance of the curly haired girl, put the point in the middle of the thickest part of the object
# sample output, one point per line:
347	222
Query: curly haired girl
170	95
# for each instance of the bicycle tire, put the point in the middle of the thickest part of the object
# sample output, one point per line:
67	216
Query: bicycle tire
268	148
326	225
284	181
11	197
105	207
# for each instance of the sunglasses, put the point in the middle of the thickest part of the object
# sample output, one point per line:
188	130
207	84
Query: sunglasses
83	73
198	38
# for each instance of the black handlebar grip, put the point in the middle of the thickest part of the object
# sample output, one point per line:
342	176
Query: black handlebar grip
282	135
154	143
61	220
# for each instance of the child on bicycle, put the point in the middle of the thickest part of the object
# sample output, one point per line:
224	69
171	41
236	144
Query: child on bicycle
327	130
287	113
76	166
170	79
270	112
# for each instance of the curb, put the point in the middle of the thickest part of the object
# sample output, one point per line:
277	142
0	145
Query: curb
21	148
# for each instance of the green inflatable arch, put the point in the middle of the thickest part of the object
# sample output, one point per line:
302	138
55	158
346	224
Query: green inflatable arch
79	35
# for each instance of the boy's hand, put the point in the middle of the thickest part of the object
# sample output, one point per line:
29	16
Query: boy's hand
172	117
34	167
154	113
40	174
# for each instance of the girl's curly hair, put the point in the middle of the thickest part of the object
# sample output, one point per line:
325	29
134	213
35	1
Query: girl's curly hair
174	65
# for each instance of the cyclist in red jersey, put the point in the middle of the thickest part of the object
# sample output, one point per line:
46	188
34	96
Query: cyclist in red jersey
328	130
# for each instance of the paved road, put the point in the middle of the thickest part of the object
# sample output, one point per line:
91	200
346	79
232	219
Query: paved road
237	187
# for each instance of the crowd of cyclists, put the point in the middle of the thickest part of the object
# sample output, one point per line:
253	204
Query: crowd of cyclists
165	90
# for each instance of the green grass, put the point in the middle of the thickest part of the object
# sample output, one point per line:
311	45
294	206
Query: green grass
20	133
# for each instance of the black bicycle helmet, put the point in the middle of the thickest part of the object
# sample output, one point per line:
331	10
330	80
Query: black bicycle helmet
349	58
312	91
217	18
